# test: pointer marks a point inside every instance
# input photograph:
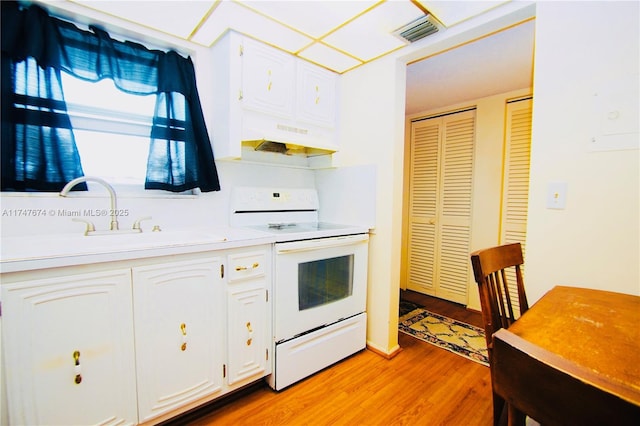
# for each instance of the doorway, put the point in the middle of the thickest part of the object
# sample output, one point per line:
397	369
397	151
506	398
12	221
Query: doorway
445	82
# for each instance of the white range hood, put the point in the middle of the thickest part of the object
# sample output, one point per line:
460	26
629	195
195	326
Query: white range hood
270	100
272	134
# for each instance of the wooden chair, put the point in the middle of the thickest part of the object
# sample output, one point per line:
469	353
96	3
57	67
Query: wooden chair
490	268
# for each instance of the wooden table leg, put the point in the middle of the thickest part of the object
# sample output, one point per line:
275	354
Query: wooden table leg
515	416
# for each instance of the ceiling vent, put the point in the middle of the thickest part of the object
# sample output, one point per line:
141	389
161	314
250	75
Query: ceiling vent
417	29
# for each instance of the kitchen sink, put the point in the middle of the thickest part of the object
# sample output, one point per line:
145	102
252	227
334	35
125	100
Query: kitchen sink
61	245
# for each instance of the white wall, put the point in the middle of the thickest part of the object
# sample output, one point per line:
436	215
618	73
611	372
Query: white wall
595	241
371	97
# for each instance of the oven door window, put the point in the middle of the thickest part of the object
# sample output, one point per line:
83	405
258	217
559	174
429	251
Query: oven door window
323	281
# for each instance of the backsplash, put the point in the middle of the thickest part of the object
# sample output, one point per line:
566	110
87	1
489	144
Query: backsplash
37	214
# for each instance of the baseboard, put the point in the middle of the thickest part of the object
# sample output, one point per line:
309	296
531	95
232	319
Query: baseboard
378	351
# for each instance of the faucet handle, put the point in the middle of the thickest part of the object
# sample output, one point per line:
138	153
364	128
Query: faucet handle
90	226
136	224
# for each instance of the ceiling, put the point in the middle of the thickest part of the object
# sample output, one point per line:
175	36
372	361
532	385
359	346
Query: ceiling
339	35
496	64
336	34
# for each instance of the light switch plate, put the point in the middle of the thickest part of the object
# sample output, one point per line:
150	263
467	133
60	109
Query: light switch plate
556	195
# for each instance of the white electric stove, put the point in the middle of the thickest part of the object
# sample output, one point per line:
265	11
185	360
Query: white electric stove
320	279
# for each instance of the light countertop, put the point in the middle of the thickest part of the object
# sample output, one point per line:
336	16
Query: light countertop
26	253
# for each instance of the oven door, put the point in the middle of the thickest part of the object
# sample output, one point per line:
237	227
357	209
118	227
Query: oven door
319	282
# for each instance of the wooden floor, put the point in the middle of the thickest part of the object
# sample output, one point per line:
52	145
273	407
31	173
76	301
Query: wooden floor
422	385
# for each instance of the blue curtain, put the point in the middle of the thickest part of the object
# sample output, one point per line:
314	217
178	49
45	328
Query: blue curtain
38	147
180	154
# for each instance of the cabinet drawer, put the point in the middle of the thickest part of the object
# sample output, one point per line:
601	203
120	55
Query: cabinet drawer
246	265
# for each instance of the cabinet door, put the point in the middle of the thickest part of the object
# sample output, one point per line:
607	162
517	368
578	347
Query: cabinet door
316	95
177	316
247	316
440	205
69	344
248	319
267	79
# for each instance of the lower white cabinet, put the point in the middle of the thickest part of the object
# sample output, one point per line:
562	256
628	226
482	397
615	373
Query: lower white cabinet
248	317
69	351
177	316
139	342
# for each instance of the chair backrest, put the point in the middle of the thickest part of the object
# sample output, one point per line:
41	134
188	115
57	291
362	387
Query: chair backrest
490	268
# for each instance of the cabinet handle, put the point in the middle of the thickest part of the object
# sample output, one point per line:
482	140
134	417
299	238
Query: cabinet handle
270	82
317	95
250	330
244	268
77	368
183	329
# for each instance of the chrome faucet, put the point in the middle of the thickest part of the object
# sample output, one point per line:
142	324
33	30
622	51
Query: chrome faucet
112	193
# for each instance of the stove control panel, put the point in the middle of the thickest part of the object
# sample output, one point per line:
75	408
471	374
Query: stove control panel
259	199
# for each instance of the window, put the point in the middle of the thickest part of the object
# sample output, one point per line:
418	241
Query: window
111	128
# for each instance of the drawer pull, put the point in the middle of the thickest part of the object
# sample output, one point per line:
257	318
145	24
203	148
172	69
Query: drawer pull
77	369
183	328
244	268
250	330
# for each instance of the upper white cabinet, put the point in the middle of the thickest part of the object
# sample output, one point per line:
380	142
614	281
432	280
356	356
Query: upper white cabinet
316	95
267	75
260	93
69	350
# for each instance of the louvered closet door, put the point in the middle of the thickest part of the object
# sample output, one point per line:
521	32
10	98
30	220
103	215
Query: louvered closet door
516	176
440	205
425	145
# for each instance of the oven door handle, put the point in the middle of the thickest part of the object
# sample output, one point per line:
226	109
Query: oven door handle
300	246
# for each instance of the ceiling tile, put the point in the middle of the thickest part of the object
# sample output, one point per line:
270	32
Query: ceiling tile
190	13
230	14
370	35
304	14
329	58
454	12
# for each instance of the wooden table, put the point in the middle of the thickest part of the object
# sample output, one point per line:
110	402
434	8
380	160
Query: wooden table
573	358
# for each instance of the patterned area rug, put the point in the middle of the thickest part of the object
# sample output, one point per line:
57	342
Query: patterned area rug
455	336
